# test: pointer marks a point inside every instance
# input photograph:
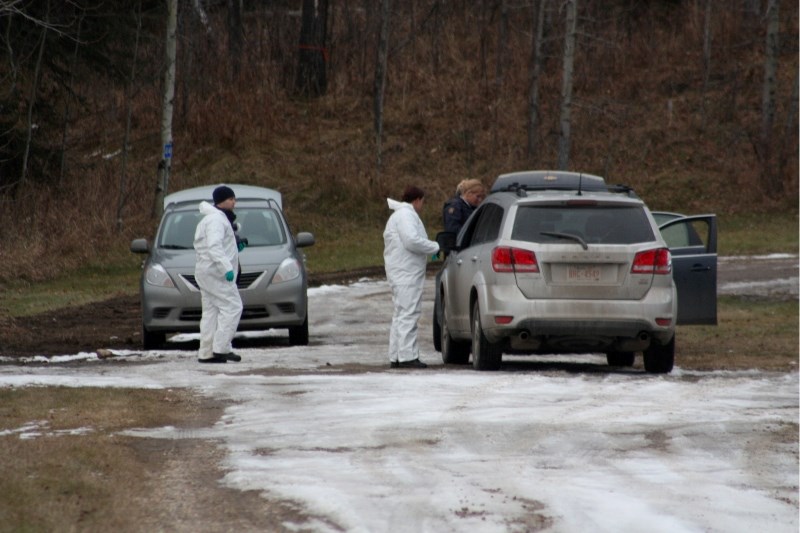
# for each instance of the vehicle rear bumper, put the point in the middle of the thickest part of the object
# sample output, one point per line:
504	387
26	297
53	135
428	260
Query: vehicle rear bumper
627	319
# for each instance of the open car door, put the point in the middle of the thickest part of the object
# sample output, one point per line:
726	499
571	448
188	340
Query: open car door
692	242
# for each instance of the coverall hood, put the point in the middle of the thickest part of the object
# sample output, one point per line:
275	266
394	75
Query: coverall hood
406	245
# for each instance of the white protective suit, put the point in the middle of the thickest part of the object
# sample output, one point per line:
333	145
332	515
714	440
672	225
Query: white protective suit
217	254
405	255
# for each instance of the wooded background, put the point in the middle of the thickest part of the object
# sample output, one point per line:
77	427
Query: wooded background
340	103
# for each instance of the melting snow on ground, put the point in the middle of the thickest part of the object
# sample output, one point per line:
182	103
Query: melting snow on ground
562	443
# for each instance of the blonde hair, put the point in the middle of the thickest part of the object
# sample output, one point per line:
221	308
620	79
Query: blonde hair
465	186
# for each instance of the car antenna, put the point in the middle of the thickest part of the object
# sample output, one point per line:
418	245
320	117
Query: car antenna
580	183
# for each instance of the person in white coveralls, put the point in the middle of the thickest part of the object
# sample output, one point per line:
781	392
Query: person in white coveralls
215	272
405	255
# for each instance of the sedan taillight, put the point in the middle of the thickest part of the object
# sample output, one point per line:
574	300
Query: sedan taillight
658	261
507	259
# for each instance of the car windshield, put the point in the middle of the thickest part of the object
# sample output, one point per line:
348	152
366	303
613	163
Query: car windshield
592	224
261	227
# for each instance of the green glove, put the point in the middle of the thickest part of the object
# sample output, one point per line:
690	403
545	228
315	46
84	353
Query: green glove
242	246
229	275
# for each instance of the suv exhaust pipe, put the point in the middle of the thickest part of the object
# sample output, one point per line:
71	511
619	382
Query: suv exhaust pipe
523	341
637	344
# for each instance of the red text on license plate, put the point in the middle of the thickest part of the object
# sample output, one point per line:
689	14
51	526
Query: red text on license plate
584	273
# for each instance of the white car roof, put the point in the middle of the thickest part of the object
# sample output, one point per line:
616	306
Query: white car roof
242	192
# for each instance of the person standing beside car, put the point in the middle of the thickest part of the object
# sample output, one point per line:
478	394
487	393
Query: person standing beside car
455	212
216	265
405	255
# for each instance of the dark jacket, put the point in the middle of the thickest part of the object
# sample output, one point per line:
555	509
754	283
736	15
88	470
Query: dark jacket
455	213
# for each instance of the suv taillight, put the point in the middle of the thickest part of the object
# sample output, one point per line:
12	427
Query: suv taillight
658	261
507	259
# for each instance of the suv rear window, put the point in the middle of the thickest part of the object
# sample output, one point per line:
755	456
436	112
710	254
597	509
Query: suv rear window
594	224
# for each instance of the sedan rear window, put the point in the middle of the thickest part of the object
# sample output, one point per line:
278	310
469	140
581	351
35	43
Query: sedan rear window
594	224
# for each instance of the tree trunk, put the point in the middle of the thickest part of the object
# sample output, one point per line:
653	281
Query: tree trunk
789	138
770	178
499	74
32	103
381	64
73	64
565	133
312	78
436	52
235	37
167	102
706	61
533	89
122	194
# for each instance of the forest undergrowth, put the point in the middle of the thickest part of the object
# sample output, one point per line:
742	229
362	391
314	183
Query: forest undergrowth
650	110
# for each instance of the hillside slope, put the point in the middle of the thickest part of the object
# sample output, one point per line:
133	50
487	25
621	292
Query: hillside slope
651	108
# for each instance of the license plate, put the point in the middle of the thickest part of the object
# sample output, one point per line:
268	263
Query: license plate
584	273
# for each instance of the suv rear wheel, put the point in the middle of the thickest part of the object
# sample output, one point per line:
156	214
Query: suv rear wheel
485	355
453	352
437	328
620	358
658	358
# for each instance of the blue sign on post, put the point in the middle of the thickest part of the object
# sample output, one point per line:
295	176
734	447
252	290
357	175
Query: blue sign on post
168	150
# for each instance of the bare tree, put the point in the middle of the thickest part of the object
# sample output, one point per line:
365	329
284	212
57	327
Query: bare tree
381	63
771	179
121	196
535	75
565	133
32	101
788	147
201	15
312	77
706	60
167	103
499	72
67	106
235	37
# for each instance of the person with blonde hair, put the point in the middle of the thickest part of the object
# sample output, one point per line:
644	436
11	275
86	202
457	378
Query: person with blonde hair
455	212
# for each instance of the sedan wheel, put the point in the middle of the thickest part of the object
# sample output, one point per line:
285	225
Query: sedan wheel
437	328
453	352
152	340
298	335
485	355
659	359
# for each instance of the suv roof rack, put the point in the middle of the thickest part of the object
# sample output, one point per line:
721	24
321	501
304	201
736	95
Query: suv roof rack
555	180
548	179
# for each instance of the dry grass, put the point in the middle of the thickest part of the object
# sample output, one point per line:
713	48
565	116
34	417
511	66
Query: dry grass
66	468
70	462
751	334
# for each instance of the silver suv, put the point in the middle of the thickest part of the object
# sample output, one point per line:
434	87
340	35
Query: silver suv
561	262
272	282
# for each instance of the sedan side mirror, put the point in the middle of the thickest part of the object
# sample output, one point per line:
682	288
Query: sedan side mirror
304	239
140	246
